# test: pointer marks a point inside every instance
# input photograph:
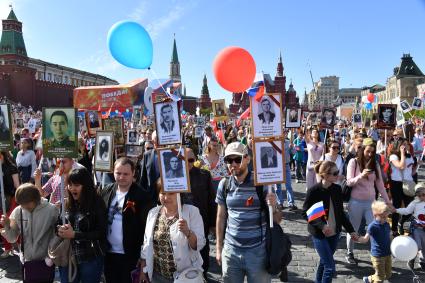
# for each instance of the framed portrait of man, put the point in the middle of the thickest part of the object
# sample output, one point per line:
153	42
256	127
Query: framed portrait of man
132	137
417	103
167	121
400	117
266	116
387	116
269	162
115	125
137	113
104	151
174	170
198	131
20	123
60	133
94	122
357	119
219	107
293	118
405	106
328	119
6	135
82	125
132	150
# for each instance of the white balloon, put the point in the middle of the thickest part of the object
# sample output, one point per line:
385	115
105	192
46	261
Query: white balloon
147	100
404	248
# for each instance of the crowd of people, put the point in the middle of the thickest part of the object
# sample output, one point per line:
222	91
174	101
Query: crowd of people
130	228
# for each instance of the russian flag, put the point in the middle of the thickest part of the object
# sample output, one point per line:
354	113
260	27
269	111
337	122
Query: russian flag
257	88
244	116
316	211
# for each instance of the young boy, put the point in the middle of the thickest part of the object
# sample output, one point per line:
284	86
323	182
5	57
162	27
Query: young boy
379	233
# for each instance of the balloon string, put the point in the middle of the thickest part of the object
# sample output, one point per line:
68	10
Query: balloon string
156	78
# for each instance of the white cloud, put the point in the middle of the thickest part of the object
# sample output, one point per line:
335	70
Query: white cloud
100	63
139	12
160	24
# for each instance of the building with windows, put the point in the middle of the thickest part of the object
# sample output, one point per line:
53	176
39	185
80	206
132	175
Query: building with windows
36	82
349	95
404	84
325	93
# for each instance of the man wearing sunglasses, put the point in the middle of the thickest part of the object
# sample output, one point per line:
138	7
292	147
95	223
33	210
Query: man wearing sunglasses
201	195
241	219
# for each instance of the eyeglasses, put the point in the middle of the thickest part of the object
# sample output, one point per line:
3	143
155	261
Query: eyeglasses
191	160
229	160
335	147
149	148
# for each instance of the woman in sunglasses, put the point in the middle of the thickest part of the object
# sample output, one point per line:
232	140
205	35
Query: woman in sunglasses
334	156
325	220
363	175
315	152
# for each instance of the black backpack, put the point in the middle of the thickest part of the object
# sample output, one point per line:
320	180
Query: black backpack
278	244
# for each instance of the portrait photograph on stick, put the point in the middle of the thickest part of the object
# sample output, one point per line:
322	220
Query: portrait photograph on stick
293	118
328	119
387	116
219	107
6	137
417	103
269	162
133	150
60	132
173	170
266	116
167	121
357	119
93	122
405	106
132	137
115	125
82	125
104	151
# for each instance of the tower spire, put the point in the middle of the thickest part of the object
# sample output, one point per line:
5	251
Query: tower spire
279	69
12	43
175	64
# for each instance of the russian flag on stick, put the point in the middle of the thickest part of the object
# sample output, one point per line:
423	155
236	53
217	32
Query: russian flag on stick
316	211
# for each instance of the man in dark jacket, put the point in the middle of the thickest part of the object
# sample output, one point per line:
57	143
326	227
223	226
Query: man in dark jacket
202	195
128	206
150	171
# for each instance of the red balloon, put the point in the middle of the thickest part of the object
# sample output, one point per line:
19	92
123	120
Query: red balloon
371	97
234	69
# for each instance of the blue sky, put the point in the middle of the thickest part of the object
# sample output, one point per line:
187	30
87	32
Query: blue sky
360	41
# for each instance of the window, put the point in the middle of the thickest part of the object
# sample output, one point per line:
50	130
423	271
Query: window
65	80
49	77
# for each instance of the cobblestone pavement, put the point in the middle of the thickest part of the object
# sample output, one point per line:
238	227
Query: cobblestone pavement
304	262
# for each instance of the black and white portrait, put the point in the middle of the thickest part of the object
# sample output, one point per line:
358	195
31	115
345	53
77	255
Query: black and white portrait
328	119
293	118
20	123
137	113
104	151
6	141
386	116
266	111
132	137
199	131
93	122
268	157
133	150
173	170
167	121
405	107
357	118
266	115
417	103
268	162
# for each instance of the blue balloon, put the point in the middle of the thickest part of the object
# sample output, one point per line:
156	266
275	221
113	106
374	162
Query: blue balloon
368	106
130	44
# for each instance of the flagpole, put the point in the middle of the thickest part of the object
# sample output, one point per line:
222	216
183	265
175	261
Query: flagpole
270	191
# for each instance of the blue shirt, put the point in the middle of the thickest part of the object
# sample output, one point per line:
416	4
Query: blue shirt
380	240
243	228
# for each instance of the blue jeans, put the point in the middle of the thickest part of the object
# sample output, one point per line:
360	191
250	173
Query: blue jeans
289	193
240	262
87	271
301	167
325	248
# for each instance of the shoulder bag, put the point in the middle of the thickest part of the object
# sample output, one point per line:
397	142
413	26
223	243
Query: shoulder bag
345	189
35	271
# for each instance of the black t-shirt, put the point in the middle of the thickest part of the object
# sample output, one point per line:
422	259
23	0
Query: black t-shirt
8	171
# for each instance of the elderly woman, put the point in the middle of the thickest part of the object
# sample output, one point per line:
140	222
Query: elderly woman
172	242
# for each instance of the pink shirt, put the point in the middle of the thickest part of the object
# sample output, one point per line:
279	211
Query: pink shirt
363	188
